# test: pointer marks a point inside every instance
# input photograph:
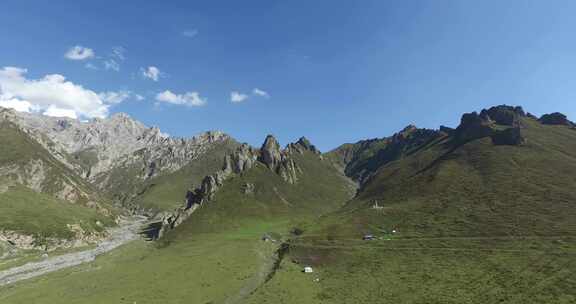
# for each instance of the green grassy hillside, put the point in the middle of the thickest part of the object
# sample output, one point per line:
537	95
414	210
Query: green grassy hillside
474	189
18	150
31	182
474	222
32	213
320	189
216	256
458	220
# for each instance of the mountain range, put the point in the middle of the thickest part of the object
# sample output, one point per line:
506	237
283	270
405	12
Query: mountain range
501	174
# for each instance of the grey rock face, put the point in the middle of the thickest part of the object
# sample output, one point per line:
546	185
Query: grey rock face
505	115
280	161
240	161
101	145
270	152
511	136
302	145
473	126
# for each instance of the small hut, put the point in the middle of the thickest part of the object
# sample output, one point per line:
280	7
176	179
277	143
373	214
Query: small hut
368	237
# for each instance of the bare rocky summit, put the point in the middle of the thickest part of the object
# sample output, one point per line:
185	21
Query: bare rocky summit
98	146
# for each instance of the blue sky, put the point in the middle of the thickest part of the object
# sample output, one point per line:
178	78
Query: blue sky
335	71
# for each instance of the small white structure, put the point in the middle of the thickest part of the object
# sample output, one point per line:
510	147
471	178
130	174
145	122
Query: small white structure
376	206
308	269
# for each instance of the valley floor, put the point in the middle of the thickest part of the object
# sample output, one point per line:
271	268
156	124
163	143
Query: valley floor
238	267
127	231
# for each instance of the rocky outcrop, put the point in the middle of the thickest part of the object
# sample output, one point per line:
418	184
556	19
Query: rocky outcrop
270	153
302	145
555	119
280	161
473	126
504	115
242	160
510	136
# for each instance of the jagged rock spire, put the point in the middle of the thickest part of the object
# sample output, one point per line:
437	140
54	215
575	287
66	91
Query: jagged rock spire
270	153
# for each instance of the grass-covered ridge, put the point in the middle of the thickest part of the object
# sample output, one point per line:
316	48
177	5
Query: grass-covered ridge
475	189
39	195
28	212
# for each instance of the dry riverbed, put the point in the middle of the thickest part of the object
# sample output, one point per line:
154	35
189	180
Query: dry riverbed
128	230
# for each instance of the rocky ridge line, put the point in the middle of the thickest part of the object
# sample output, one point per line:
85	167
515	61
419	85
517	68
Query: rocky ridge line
243	159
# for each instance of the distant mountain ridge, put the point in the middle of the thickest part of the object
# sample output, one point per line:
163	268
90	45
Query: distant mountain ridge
501	171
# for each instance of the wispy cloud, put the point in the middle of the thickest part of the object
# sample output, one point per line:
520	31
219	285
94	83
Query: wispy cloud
91	66
190	33
117	55
191	99
116	97
237	97
118	52
111	64
153	73
79	53
261	93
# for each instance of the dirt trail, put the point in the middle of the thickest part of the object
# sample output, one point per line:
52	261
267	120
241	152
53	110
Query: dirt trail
270	257
127	231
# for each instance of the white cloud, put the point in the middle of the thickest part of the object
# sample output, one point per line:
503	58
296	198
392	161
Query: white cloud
191	99
139	97
237	97
151	72
111	64
16	104
191	33
79	53
262	93
112	97
51	94
55	111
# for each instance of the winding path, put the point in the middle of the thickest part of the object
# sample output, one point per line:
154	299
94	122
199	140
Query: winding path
127	231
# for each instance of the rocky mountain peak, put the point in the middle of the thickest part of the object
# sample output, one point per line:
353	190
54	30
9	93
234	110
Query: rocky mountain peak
279	161
504	115
303	144
270	153
474	125
404	133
